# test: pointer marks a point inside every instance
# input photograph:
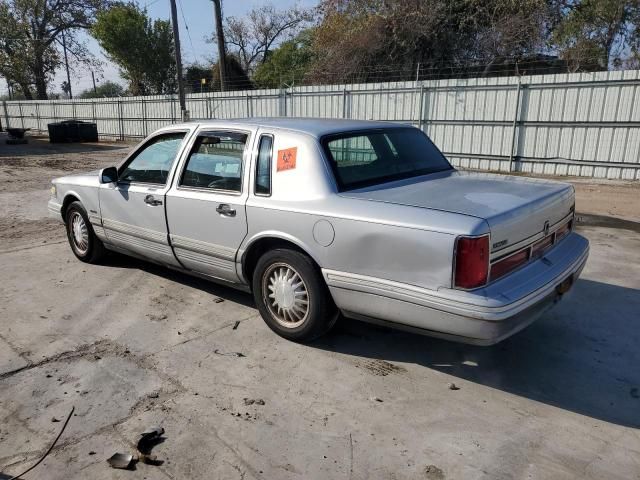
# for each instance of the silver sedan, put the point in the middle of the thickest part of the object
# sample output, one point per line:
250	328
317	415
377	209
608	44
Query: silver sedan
322	217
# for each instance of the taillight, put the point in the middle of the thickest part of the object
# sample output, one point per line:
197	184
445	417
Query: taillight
506	265
472	261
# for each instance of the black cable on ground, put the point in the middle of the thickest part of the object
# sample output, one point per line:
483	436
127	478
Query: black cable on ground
50	448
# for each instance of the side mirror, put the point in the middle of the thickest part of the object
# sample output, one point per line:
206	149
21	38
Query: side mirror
109	175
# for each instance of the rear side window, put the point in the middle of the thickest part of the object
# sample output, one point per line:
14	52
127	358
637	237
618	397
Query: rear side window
263	166
215	162
153	162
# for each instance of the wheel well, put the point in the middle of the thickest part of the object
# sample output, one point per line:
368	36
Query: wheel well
260	247
68	200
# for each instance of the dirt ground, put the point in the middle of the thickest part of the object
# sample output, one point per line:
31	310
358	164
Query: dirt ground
131	345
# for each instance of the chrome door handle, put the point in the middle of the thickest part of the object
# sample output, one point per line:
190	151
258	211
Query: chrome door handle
151	201
226	210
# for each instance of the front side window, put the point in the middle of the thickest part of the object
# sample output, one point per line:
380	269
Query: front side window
215	162
366	158
153	163
263	166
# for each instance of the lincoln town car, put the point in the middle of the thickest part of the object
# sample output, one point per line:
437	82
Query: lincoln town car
322	218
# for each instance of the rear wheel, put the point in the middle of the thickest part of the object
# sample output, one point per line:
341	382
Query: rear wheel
86	246
292	296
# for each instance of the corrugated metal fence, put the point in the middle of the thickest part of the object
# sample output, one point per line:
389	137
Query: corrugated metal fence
569	124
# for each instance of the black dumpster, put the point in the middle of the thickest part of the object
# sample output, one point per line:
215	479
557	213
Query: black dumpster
72	131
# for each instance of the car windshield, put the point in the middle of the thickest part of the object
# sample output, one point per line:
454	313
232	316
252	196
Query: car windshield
365	158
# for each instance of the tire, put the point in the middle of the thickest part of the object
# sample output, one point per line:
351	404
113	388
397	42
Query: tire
287	278
85	245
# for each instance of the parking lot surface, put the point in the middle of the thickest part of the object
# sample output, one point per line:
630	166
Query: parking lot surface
131	345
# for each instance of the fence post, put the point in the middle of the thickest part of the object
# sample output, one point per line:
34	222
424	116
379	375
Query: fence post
173	109
55	114
249	106
73	109
38	116
121	120
208	103
144	116
6	113
344	102
516	122
21	115
421	109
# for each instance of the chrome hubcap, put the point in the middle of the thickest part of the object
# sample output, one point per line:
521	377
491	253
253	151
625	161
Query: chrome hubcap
80	233
286	295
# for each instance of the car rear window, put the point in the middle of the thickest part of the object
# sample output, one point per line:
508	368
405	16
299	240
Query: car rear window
366	158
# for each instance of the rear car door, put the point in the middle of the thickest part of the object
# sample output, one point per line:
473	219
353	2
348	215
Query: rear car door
206	205
133	209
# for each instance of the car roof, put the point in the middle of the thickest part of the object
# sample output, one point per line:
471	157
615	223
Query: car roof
316	127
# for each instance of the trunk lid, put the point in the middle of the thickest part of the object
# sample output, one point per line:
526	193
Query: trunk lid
515	208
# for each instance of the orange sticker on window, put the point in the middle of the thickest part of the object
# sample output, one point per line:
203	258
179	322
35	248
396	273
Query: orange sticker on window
287	158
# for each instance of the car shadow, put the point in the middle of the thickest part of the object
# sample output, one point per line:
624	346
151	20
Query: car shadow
582	356
227	293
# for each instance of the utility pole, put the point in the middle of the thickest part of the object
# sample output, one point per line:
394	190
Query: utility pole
93	78
66	62
222	56
176	40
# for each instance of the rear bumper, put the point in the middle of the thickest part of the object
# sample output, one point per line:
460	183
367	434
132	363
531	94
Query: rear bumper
484	316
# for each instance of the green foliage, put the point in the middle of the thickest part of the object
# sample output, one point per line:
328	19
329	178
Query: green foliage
141	47
106	89
288	64
597	34
30	39
193	76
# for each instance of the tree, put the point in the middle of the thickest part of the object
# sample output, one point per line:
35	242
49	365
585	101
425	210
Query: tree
29	38
252	38
105	90
141	47
193	76
289	63
237	78
597	33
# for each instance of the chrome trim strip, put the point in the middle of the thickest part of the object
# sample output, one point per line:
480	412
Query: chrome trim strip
202	259
201	247
134	231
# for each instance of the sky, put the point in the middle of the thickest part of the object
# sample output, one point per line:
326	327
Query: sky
195	18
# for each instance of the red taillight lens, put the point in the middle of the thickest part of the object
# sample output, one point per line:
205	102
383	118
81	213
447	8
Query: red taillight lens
472	262
506	265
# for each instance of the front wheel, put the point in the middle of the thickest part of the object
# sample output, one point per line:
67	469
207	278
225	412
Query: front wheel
86	246
292	296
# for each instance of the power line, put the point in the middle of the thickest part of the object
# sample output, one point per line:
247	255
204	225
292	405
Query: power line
193	50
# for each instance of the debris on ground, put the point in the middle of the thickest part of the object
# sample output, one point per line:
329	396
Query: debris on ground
219	300
54	419
453	386
251	401
376	399
229	354
235	325
149	439
124	461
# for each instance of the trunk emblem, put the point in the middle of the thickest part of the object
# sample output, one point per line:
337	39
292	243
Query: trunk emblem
546	228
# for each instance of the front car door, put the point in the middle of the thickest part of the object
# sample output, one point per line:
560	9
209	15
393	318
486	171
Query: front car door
133	209
206	205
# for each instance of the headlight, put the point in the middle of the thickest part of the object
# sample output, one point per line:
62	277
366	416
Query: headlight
53	191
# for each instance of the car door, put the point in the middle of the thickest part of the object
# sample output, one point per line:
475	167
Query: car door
133	208
206	205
